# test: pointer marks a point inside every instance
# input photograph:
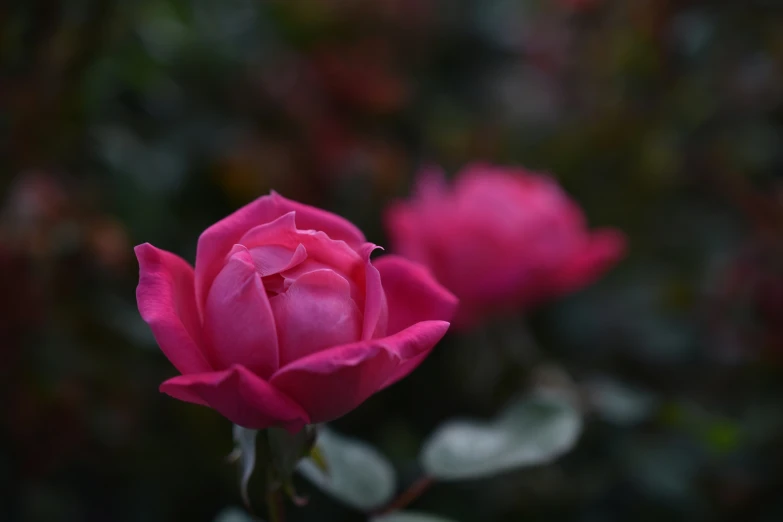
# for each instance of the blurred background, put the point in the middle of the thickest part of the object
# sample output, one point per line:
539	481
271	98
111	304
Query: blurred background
127	122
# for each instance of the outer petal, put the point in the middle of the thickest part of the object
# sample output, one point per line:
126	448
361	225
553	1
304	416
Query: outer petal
216	241
316	312
238	319
331	383
412	293
167	303
240	396
602	251
376	310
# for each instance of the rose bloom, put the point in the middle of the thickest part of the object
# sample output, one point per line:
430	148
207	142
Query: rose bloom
499	238
285	320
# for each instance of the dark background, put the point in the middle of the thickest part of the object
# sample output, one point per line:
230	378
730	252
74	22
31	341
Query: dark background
123	122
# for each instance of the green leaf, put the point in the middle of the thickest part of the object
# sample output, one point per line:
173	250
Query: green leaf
529	432
233	515
409	516
617	403
356	473
245	441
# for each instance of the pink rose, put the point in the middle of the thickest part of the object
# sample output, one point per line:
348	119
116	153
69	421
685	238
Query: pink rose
285	320
500	238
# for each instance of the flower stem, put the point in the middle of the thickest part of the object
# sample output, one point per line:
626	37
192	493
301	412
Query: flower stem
413	492
275	506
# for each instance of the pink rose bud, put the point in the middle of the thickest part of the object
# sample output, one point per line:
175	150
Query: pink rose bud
285	320
500	238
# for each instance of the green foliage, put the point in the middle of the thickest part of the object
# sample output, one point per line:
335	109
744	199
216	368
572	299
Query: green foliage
618	403
529	432
355	473
409	516
287	450
245	450
233	515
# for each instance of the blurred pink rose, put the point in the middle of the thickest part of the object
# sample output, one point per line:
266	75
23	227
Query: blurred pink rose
285	320
500	238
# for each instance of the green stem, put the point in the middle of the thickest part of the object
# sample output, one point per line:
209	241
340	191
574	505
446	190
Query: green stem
275	506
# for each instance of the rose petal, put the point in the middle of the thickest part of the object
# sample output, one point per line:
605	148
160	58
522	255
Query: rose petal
330	383
309	265
238	319
603	249
273	259
167	303
412	293
240	396
316	312
279	231
216	241
320	247
376	311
